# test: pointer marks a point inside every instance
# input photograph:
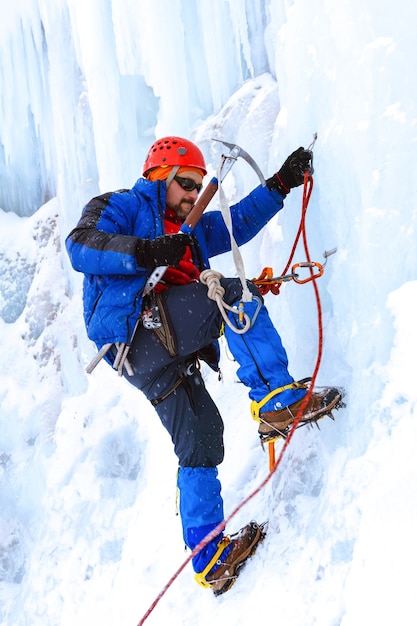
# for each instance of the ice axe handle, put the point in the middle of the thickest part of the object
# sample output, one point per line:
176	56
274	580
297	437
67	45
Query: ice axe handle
200	206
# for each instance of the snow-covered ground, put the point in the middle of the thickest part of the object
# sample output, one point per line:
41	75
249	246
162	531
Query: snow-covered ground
88	526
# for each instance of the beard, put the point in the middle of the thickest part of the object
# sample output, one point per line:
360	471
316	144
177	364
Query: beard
182	209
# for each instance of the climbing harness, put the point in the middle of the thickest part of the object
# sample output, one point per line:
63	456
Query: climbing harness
183	373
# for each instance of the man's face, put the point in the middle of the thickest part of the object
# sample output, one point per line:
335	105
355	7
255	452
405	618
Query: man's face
178	199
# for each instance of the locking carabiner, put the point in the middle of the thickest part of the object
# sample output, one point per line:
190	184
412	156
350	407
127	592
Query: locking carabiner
311	265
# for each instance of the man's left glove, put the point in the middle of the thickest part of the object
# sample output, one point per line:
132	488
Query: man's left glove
165	250
292	172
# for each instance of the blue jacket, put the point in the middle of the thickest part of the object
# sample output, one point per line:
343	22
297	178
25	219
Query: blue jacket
102	246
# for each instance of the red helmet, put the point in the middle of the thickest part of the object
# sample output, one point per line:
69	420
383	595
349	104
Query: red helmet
174	151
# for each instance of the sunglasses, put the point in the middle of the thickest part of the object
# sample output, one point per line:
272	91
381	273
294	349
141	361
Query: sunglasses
188	184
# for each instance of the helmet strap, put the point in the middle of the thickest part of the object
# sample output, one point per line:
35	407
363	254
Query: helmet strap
172	174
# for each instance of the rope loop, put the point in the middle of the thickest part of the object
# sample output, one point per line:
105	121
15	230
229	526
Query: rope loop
211	278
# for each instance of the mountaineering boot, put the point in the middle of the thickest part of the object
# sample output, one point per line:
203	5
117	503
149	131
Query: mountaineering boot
233	551
275	424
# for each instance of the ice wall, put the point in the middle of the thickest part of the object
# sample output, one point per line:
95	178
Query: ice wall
86	86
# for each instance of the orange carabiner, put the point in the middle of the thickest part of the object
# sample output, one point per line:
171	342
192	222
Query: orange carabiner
312	276
263	282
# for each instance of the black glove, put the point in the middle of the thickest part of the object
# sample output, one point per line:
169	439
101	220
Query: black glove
165	250
291	173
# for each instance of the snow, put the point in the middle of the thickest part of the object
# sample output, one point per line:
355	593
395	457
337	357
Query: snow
88	524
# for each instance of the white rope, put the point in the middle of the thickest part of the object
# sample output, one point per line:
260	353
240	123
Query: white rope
237	257
215	292
211	278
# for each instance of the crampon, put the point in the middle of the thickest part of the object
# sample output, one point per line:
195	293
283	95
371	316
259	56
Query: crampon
277	424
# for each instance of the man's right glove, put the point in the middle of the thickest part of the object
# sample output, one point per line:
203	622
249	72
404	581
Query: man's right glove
165	250
292	172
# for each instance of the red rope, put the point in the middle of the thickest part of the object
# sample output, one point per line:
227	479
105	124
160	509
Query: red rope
307	189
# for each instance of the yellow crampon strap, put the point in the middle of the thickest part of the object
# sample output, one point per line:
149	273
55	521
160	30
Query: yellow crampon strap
201	576
255	407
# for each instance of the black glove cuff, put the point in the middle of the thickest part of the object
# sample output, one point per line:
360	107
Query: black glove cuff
142	252
275	184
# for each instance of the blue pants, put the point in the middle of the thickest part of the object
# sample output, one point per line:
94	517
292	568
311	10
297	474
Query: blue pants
188	412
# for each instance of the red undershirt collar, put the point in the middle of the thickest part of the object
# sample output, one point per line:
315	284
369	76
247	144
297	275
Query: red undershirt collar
171	216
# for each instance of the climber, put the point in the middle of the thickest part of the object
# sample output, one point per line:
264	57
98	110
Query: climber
121	238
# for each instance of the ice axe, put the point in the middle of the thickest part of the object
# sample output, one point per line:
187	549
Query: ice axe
226	164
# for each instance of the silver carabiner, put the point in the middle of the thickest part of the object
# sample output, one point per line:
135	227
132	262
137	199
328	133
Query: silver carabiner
311	146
